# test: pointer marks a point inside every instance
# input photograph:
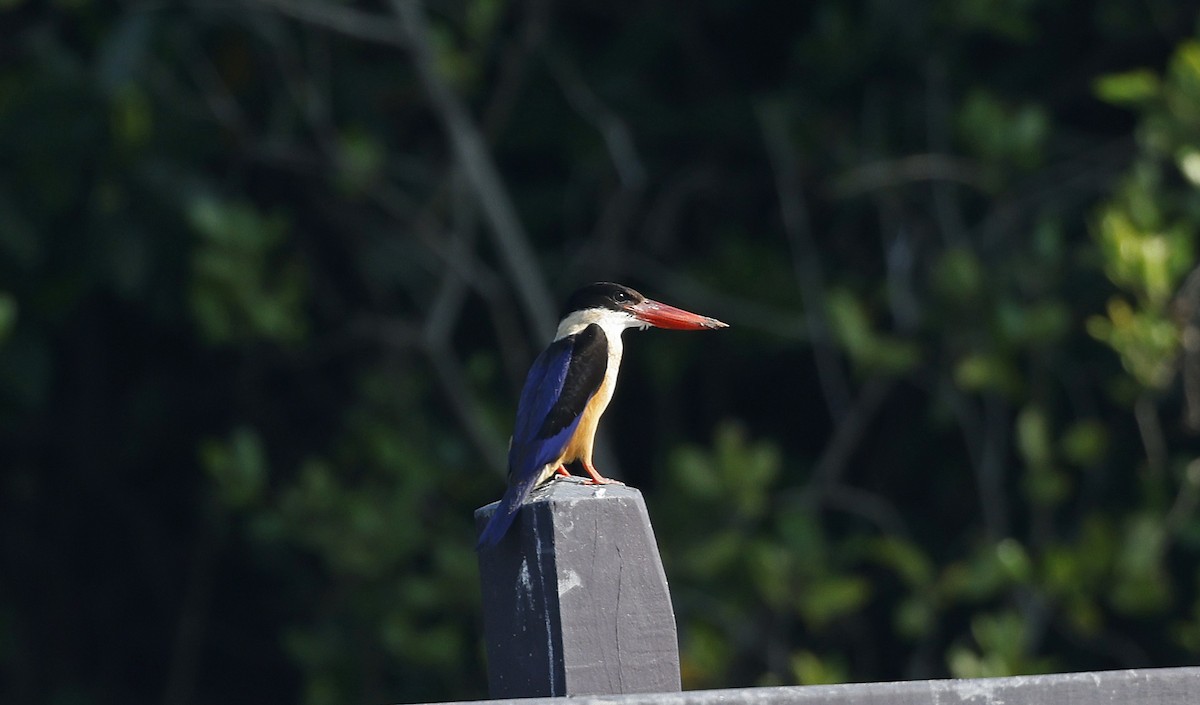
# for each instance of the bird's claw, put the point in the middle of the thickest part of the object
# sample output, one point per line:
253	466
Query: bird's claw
597	478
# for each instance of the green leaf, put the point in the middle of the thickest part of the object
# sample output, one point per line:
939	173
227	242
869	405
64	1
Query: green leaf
1147	341
872	351
770	570
1085	442
802	533
832	598
1043	483
705	655
1183	83
958	276
239	467
1188	160
1038	324
8	315
694	474
810	669
1033	436
1142	586
361	159
482	17
906	558
1014	560
987	372
998	131
915	615
1128	88
243	286
991	569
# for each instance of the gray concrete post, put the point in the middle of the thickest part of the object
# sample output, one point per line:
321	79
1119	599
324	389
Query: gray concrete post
575	600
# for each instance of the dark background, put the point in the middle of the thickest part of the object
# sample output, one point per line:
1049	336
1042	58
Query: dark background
271	274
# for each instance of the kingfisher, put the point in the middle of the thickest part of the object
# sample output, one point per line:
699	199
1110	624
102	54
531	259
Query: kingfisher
569	387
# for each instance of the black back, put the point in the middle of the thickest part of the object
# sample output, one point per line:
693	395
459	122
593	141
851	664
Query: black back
589	362
602	295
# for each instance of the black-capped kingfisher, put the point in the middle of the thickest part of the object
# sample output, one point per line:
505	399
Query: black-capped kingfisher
569	387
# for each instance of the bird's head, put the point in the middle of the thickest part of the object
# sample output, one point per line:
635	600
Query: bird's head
621	307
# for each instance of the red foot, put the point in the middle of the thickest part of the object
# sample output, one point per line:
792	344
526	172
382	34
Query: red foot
597	478
562	471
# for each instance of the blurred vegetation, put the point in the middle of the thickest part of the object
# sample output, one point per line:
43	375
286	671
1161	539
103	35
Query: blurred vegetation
271	273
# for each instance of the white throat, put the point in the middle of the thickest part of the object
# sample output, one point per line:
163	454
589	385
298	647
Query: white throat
613	323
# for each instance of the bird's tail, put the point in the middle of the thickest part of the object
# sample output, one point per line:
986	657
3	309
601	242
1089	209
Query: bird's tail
505	513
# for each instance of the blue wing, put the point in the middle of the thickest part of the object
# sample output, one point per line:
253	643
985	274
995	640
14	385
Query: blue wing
560	383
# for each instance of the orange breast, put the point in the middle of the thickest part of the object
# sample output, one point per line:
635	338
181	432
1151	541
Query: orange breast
580	445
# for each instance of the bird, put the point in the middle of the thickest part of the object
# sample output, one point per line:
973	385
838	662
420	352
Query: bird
570	385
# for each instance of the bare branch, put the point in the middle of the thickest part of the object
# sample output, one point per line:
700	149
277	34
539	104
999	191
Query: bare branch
1184	506
620	205
310	101
439	348
511	74
1056	188
447	305
897	242
947	208
660	225
1185	308
186	654
848	434
341	19
393	332
450	376
216	94
471	153
899	172
867	505
805	259
1150	428
986	440
992	463
618	138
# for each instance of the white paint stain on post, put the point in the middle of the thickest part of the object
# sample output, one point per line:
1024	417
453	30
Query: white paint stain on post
568	581
524	591
971	691
523	581
550	658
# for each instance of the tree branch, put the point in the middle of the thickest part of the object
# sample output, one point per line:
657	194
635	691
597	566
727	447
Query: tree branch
471	153
341	19
889	173
809	276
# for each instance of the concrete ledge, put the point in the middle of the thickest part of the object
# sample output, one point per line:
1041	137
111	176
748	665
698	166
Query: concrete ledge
1149	686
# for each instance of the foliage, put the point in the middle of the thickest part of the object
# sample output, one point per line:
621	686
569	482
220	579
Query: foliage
271	275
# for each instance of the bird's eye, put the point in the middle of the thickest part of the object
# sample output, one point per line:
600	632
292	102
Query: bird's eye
621	297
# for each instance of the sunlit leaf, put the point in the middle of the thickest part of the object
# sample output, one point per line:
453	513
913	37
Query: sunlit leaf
810	669
238	466
831	598
1129	87
8	314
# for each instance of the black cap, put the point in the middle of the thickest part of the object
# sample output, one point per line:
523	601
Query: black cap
616	297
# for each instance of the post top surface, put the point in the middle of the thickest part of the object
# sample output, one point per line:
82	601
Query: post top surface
572	489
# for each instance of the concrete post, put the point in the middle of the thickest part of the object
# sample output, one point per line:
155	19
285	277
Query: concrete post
575	600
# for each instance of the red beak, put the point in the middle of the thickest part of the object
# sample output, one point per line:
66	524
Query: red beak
661	315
